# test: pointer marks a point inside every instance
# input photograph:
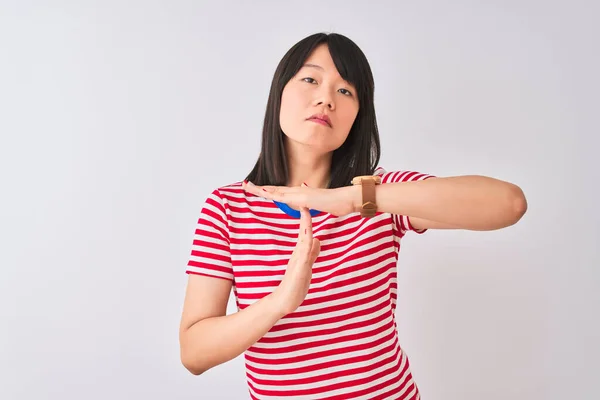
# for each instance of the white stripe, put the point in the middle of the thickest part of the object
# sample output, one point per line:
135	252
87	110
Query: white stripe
345	379
220	223
341	272
210	272
340	253
328	336
339	368
342	300
209	239
333	346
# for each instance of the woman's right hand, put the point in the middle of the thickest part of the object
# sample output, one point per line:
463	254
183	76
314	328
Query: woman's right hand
210	337
293	288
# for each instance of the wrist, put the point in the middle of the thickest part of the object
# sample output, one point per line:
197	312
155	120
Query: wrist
365	195
277	304
355	198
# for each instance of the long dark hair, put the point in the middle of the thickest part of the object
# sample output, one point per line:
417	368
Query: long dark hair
360	153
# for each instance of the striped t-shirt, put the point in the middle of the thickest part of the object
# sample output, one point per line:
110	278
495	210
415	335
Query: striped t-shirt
342	342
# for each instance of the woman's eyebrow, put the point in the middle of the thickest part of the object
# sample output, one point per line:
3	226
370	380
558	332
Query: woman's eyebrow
316	66
313	66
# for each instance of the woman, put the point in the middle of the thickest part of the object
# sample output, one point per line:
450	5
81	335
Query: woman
311	257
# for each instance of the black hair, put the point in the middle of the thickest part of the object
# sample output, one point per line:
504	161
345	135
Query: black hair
360	153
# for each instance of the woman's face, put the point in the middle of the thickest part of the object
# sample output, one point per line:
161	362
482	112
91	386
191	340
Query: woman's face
318	89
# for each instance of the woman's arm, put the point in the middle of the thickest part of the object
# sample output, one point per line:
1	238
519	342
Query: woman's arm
462	202
207	336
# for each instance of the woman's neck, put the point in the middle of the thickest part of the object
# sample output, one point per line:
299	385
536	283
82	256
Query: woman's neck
307	167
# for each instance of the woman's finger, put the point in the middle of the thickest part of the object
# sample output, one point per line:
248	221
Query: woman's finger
305	233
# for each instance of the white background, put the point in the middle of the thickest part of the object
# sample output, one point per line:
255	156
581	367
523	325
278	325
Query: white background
117	119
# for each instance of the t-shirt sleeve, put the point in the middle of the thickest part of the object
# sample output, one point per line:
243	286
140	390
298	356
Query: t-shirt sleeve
402	222
211	255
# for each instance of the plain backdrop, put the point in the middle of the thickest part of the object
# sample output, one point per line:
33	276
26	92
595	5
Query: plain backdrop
117	119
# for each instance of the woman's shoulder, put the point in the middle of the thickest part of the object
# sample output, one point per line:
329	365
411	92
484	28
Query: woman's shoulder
379	170
400	175
230	191
221	199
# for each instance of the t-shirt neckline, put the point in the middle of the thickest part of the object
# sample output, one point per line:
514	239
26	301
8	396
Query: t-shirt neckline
294	213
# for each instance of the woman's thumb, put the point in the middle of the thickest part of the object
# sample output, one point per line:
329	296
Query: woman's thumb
314	250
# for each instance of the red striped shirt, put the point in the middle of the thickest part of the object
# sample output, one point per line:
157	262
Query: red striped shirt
342	342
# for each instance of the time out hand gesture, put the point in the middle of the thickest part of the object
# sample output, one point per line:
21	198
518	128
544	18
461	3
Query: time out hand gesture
294	286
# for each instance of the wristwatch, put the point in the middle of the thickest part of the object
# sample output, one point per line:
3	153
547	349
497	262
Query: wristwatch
368	183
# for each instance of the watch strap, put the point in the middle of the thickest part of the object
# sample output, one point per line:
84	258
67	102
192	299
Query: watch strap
369	205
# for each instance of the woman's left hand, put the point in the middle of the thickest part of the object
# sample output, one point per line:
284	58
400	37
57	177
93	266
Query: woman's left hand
338	201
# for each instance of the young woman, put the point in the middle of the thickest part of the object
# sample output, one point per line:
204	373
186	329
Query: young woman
309	241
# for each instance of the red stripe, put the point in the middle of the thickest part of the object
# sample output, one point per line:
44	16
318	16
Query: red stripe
329	364
208	267
362	392
322	354
397	390
331	387
211	225
210	276
338	307
282	262
329	320
328	376
323	321
325	278
322	343
326	299
234	230
337	329
198	243
354	303
209	256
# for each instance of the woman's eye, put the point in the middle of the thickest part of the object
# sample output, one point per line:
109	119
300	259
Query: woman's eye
345	92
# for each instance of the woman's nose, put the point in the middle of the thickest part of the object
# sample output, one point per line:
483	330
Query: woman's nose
325	98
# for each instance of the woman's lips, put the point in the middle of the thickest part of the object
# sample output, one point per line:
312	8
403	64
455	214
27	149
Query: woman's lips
319	121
